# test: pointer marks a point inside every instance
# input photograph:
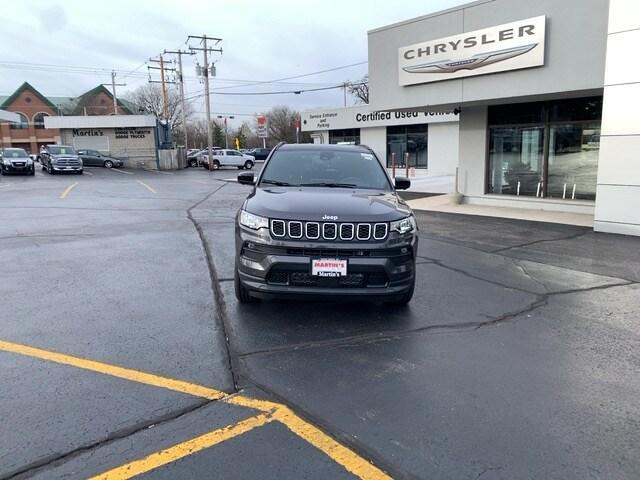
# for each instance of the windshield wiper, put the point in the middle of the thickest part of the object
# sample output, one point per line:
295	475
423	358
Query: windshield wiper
329	185
276	182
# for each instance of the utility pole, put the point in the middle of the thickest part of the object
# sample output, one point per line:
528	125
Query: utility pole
113	85
164	82
181	80
205	71
344	90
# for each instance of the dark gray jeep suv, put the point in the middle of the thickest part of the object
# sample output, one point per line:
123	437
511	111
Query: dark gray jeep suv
324	221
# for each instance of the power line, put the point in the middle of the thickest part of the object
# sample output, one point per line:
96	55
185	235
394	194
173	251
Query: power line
295	92
297	76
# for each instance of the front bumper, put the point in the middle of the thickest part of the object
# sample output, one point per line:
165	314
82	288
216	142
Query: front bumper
26	168
282	268
67	168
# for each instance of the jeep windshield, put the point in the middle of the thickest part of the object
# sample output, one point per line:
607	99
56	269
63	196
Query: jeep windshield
62	151
325	168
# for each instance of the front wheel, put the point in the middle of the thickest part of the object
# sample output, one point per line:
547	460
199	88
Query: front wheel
33	171
80	172
248	164
216	165
50	170
242	294
193	163
108	164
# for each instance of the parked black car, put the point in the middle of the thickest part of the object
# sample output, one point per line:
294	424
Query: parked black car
260	153
325	221
60	158
15	160
93	158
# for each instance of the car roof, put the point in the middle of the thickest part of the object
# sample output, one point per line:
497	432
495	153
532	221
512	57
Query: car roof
324	147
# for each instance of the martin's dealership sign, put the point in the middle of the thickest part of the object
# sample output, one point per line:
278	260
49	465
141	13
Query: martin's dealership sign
511	46
365	116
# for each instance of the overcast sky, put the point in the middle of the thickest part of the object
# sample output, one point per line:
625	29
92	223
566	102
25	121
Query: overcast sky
262	40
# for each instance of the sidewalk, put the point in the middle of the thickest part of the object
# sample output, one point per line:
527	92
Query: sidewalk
446	204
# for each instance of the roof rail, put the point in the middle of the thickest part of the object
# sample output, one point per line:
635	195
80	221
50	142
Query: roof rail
278	145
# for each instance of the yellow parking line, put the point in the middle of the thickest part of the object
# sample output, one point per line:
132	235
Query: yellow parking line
68	190
340	454
146	186
184	449
115	371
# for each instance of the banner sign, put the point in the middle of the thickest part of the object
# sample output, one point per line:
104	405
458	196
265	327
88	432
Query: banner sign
510	46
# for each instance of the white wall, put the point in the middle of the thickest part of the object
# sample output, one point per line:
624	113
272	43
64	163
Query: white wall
618	191
472	146
442	148
376	139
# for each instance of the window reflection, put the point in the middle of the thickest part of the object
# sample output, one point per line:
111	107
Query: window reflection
411	140
573	161
545	149
516	161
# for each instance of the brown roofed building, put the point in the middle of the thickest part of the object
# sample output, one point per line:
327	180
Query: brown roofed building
32	107
30	133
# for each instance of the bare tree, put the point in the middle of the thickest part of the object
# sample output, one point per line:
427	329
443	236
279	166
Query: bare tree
360	89
282	125
197	131
149	100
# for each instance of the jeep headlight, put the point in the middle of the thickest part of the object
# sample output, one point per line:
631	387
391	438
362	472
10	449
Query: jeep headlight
254	222
7	162
406	225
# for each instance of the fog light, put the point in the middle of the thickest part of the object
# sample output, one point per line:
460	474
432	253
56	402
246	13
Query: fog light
251	264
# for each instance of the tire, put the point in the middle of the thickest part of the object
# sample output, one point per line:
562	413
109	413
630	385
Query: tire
50	170
216	165
33	171
242	294
248	164
42	166
108	164
193	163
80	172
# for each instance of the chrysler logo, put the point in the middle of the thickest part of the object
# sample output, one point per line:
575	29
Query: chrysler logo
471	63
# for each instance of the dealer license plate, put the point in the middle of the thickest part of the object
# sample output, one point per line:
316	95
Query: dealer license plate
328	267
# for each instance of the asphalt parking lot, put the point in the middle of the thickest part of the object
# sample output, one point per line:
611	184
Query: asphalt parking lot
124	351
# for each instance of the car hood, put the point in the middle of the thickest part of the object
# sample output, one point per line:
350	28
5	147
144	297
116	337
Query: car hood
314	203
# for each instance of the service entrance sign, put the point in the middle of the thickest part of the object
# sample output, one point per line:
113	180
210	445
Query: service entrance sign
510	46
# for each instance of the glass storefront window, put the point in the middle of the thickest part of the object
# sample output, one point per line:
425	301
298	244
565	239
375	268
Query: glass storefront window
516	161
573	161
411	139
349	136
545	149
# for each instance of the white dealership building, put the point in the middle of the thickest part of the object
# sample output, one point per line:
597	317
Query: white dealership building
535	103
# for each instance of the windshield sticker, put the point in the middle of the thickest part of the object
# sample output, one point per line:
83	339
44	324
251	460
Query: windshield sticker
367	156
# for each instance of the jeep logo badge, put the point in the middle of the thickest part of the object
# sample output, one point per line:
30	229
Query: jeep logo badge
330	217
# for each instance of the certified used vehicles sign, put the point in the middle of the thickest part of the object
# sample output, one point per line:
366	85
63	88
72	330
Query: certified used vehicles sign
323	267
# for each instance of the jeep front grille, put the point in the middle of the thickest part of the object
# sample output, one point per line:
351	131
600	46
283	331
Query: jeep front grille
329	231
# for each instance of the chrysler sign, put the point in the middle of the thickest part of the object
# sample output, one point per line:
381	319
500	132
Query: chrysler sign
511	46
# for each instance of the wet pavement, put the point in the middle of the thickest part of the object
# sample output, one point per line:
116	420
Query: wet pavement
517	358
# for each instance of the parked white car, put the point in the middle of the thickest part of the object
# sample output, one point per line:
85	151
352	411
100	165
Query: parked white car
226	157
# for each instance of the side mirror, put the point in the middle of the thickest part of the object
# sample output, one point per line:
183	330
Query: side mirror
246	178
402	183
